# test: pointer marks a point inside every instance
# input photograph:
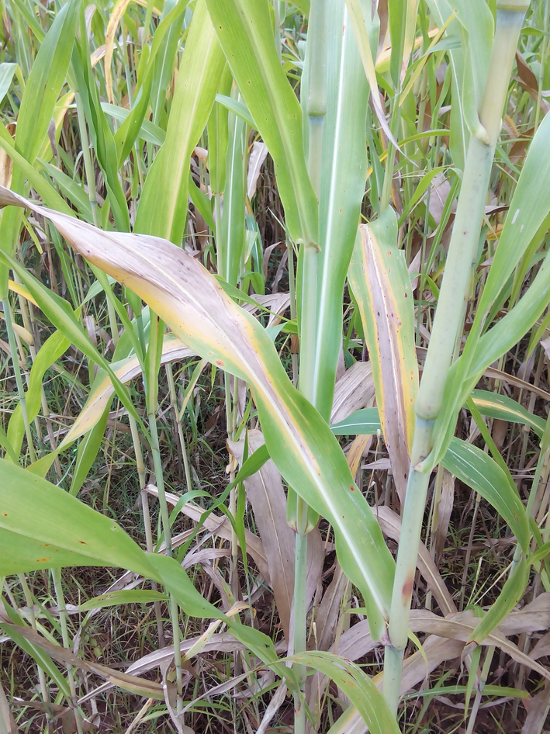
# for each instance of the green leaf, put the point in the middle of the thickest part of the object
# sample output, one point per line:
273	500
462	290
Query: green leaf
245	33
41	92
6	75
190	301
343	174
42	526
527	220
476	469
62	316
162	209
365	421
505	409
356	685
114	598
238	108
148	131
87	453
381	285
509	597
54	346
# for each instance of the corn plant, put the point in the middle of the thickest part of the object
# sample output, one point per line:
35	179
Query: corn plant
405	151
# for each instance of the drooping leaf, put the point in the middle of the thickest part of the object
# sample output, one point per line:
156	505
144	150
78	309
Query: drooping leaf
476	469
190	300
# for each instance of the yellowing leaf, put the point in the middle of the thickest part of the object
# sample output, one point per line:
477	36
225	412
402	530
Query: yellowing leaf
190	300
381	284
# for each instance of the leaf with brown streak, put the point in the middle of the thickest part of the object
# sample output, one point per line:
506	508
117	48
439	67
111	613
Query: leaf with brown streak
382	288
267	497
189	299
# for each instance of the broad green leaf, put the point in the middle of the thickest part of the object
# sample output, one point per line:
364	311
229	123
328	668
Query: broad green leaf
477	25
245	33
357	686
505	409
191	302
382	288
365	421
41	91
162	209
238	108
343	174
511	594
114	598
58	528
476	469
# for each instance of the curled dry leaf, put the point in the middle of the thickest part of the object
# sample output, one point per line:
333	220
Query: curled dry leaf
173	350
219	526
258	154
352	391
267	497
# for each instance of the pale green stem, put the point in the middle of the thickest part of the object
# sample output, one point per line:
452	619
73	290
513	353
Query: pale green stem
17	372
316	111
146	518
60	597
183	445
448	319
165	519
41	675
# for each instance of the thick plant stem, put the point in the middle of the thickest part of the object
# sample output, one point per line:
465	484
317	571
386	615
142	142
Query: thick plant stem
316	111
448	323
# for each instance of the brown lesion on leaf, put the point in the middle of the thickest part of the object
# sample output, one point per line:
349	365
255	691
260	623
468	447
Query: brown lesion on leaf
407	589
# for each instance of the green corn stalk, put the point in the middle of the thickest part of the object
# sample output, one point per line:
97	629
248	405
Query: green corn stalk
446	328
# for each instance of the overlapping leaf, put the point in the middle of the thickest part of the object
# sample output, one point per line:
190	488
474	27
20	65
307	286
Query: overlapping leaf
190	300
